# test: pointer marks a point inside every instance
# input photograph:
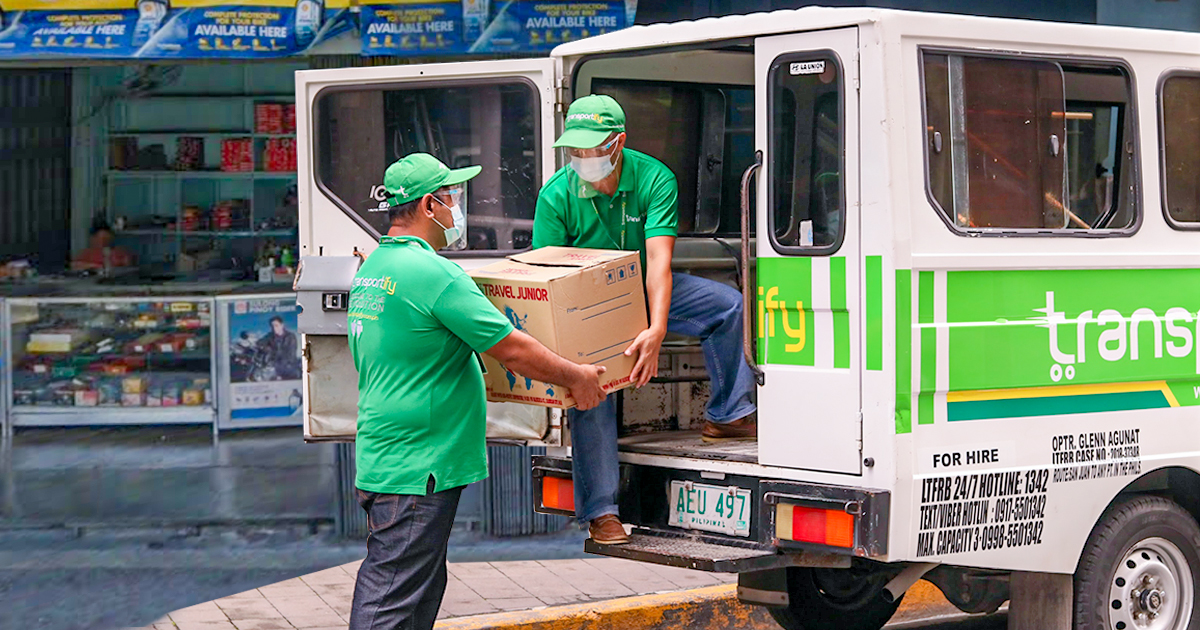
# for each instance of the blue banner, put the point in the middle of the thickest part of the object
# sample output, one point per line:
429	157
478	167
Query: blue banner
200	29
422	27
157	29
431	27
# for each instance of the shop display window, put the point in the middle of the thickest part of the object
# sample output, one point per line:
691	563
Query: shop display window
118	355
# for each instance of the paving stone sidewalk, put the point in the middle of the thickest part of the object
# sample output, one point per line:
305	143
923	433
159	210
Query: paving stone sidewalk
321	600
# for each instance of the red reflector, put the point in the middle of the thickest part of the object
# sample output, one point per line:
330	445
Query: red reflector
808	525
834	528
558	493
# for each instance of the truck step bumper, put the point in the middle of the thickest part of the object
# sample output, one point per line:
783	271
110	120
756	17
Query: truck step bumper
689	553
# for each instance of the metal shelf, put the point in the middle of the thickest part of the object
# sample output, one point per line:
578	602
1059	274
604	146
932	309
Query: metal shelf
133	174
281	233
212	133
56	416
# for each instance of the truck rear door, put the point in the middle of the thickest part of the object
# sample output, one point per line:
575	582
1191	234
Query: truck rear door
809	317
351	124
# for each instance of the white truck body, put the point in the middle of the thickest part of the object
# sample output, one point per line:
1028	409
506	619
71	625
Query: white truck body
1000	384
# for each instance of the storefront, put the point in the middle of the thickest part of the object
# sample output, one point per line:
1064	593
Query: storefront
148	245
185	314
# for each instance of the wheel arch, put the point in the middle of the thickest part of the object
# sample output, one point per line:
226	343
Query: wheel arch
1179	484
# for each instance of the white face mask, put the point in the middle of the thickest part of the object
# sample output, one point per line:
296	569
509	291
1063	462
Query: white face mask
594	169
455	231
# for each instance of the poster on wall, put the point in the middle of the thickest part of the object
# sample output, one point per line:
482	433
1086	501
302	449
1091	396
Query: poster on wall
264	361
156	29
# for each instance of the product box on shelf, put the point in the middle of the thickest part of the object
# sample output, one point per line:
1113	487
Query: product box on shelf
280	155
269	118
189	153
289	118
237	155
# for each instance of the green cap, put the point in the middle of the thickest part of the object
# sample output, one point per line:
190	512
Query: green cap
590	120
418	174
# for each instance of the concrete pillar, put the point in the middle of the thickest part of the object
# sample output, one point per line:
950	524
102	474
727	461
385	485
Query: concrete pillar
1040	601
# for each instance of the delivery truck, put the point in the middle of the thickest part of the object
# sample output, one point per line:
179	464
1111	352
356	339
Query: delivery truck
969	255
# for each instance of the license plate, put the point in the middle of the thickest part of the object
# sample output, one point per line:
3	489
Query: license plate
722	509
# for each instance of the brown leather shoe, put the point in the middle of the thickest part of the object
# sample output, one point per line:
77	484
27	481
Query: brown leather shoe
742	429
608	530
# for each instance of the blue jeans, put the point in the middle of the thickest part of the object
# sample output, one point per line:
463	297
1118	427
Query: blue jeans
401	582
699	308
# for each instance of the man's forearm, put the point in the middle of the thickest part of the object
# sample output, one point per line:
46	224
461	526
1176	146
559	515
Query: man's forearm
526	356
658	293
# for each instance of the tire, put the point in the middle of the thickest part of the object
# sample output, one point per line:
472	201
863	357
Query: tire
835	599
1140	559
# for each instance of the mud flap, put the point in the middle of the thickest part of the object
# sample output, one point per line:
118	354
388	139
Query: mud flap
764	588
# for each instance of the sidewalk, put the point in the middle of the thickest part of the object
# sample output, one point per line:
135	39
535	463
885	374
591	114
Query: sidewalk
321	600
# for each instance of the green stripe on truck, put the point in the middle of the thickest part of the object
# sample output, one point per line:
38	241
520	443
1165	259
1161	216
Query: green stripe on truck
903	351
875	313
841	316
928	349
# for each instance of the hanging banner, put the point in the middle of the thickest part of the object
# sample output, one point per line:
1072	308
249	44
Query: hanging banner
89	28
431	27
247	29
414	27
540	25
157	29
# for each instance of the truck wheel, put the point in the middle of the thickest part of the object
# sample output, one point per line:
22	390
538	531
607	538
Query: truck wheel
1140	569
835	599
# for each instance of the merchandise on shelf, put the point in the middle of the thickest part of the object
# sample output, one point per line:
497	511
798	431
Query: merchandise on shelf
289	118
122	153
280	155
237	155
189	153
133	354
269	118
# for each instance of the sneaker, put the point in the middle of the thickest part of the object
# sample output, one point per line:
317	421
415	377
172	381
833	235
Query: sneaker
608	530
742	429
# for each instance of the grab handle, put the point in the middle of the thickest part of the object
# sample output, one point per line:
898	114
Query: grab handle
748	341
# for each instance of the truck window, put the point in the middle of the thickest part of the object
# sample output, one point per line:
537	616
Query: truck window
1028	146
1180	101
361	131
807	212
703	133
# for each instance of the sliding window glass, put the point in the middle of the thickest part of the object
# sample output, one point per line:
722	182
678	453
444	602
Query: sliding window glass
1180	102
1028	146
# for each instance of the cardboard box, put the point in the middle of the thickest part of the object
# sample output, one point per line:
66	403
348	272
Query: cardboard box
587	305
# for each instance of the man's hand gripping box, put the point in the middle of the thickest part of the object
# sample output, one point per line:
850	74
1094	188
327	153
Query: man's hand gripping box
587	305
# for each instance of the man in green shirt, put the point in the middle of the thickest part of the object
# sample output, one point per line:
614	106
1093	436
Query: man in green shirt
416	322
611	197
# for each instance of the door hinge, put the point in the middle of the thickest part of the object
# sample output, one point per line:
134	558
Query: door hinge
560	95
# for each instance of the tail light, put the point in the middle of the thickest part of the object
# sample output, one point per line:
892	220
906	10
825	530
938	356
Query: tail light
558	493
798	523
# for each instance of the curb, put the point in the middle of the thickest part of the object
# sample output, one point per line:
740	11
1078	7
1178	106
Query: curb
708	608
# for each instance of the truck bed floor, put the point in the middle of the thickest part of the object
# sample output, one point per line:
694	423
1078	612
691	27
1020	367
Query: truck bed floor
689	444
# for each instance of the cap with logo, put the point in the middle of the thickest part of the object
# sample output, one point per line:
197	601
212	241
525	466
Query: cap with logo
591	120
418	174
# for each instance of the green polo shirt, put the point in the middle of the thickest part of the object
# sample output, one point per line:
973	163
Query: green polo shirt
416	321
570	213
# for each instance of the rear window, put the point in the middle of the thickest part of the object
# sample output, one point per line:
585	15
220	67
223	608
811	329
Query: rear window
807	154
493	124
1029	146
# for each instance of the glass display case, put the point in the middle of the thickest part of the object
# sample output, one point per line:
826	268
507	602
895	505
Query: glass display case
119	360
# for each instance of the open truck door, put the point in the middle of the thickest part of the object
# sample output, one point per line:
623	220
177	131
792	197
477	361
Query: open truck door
809	317
351	124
